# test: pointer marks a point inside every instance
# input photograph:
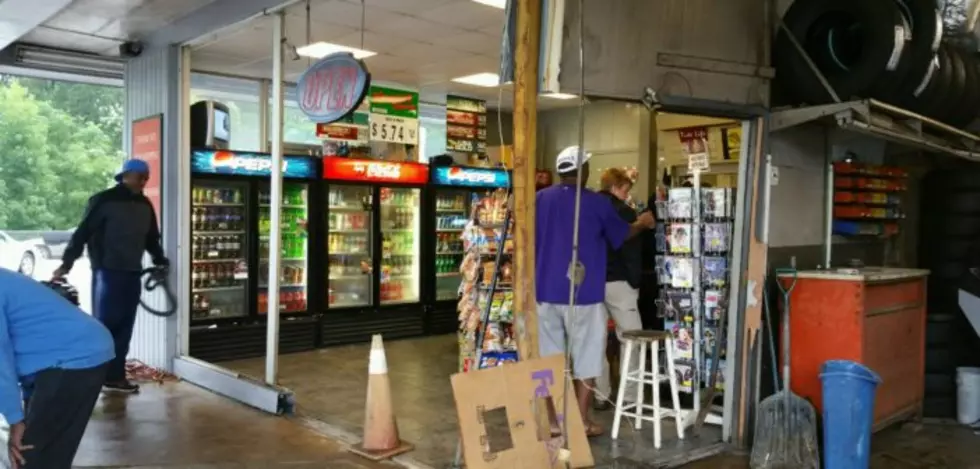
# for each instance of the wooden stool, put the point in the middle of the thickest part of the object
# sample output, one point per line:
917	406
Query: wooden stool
648	340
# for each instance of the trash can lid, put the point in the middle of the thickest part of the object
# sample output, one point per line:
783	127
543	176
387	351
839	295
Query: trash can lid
848	367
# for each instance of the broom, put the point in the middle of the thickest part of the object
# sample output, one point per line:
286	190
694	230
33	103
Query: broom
786	424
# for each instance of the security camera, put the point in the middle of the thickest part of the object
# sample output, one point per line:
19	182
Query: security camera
130	49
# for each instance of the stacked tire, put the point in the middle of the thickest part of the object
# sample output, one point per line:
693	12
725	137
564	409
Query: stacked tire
889	50
949	244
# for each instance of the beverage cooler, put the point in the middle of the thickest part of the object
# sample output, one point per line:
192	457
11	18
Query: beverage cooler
230	249
373	244
453	192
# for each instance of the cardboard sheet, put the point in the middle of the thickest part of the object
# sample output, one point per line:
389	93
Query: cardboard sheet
493	402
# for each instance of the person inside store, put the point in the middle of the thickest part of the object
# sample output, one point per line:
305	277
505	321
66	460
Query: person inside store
53	361
623	272
584	321
118	226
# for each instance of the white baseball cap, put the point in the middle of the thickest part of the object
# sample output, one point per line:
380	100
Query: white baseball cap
567	159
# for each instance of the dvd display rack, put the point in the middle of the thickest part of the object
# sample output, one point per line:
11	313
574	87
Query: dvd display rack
694	236
486	313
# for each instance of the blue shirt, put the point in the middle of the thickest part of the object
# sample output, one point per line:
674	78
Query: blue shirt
600	228
39	330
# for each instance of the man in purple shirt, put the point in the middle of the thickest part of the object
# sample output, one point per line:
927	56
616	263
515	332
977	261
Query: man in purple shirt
600	228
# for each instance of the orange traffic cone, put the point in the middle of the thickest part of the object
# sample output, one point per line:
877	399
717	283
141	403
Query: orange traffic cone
380	430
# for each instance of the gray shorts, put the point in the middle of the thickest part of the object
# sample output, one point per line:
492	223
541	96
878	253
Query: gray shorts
586	328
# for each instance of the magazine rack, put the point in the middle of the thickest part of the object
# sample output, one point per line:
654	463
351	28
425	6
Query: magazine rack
694	235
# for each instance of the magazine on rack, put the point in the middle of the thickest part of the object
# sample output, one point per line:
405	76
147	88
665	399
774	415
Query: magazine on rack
685	376
677	306
716	237
679	204
713	302
715	272
719	377
683	339
681	271
680	238
717	203
660	234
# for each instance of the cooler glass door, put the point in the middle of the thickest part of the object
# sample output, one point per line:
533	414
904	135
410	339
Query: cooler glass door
400	245
350	246
452	214
220	268
295	260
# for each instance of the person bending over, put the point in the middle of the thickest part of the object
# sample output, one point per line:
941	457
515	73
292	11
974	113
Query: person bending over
119	225
623	273
585	323
54	357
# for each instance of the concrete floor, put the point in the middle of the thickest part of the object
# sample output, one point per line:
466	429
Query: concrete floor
177	425
910	446
330	387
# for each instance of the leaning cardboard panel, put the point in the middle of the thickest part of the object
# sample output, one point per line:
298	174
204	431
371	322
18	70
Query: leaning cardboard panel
517	388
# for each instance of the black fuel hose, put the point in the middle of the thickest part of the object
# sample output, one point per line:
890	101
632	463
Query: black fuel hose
156	277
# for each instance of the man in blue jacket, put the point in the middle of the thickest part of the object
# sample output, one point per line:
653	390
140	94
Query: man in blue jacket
59	355
119	225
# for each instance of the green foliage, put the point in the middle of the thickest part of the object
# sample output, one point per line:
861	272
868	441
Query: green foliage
59	144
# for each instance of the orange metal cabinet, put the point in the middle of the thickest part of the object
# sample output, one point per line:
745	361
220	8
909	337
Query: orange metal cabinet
877	318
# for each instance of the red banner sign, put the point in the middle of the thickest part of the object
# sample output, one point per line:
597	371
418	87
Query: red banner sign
336	132
347	169
147	144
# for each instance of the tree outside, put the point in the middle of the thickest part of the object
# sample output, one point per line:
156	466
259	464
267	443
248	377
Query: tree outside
60	143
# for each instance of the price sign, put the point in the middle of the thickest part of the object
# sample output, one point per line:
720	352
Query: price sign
394	129
394	115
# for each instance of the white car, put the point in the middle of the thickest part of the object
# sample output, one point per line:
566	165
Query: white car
21	256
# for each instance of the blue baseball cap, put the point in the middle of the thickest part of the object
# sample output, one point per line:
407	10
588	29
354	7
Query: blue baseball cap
133	166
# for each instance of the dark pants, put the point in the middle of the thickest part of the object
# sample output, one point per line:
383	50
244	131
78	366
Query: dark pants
115	300
58	411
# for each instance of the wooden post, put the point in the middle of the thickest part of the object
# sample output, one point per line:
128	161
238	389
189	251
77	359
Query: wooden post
527	38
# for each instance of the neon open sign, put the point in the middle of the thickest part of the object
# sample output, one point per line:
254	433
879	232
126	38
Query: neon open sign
332	88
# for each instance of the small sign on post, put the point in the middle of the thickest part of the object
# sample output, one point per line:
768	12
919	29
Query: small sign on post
332	88
695	143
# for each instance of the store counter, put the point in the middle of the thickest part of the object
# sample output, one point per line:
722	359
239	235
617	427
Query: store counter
875	316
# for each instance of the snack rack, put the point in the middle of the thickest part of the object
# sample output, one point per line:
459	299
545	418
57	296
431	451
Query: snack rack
693	246
486	316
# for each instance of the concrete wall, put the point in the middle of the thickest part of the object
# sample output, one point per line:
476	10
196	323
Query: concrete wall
616	133
709	49
796	227
153	87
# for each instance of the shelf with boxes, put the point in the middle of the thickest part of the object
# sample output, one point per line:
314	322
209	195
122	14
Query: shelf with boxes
866	200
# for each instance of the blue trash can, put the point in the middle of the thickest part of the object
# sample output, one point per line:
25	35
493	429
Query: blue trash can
848	413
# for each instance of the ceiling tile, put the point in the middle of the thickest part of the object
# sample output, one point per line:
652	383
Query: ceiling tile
466	14
410	27
477	43
148	16
412	7
74	20
342	13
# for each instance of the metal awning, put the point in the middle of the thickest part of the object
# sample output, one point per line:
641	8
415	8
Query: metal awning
886	122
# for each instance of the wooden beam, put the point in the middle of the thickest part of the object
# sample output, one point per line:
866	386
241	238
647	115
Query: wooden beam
755	282
527	38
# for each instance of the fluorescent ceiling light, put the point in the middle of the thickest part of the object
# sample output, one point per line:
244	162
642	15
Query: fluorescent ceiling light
321	49
493	3
560	96
486	80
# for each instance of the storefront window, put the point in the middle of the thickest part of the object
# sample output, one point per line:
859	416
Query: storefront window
242	98
296	127
432	131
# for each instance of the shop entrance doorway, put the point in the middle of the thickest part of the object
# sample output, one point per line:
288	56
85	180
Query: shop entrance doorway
694	256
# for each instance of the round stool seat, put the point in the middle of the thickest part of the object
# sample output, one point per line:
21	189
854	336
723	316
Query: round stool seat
647	336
